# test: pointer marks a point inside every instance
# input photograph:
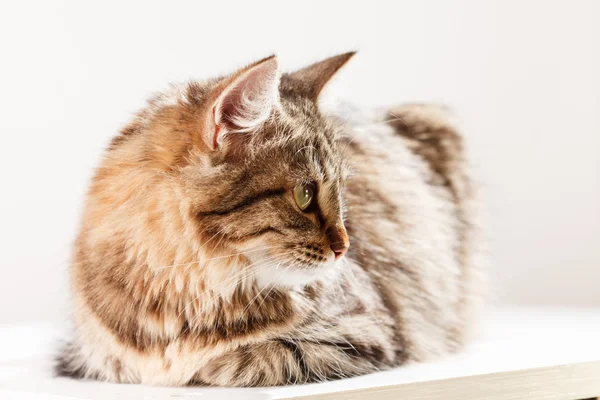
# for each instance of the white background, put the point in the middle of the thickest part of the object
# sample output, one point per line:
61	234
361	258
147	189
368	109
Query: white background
524	77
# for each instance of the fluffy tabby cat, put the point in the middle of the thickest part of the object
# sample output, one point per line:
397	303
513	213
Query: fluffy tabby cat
235	235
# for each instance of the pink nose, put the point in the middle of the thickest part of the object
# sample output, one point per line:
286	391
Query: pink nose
338	241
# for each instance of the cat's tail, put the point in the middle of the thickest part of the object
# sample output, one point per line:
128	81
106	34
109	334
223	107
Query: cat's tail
431	134
69	363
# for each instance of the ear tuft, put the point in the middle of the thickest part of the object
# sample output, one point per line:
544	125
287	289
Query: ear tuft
245	100
311	80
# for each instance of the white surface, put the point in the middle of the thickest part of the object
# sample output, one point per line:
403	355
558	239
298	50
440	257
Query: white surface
511	340
523	76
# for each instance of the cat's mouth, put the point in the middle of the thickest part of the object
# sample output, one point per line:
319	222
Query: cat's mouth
277	264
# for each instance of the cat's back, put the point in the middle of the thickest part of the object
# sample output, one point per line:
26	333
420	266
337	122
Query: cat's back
412	216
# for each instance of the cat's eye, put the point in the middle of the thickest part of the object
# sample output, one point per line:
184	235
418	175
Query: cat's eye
303	194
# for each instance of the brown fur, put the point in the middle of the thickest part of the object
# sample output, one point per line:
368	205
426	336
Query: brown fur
184	268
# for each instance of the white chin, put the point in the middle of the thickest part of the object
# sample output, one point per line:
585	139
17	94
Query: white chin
292	277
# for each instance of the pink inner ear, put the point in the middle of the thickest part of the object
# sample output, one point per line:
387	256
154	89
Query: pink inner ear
217	130
232	106
247	102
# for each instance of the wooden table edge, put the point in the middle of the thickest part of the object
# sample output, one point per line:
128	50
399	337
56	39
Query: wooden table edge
568	382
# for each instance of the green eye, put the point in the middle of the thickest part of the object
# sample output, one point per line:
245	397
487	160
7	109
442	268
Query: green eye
303	195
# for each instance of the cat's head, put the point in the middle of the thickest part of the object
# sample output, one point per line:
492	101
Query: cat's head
259	168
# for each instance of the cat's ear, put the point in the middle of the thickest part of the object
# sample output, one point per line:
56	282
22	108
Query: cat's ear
311	80
242	102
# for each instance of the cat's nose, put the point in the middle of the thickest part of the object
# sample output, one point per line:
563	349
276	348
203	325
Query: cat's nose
338	240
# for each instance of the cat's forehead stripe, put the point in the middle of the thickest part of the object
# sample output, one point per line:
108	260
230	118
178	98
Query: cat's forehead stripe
310	142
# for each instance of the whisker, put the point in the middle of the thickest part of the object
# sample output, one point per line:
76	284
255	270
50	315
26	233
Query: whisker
242	253
229	279
273	285
253	272
214	258
252	301
216	295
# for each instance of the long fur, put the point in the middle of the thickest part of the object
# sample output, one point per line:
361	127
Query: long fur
194	266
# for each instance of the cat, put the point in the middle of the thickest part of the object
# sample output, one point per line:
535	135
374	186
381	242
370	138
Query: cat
235	234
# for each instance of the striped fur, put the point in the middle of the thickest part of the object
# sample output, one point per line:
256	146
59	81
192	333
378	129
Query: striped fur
194	266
